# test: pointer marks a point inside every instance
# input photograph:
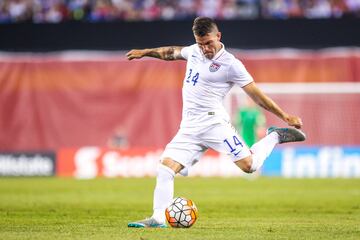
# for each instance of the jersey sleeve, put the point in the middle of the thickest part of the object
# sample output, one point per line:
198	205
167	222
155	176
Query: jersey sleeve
185	52
238	74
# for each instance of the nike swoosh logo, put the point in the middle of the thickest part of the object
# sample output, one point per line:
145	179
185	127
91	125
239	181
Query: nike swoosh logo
235	154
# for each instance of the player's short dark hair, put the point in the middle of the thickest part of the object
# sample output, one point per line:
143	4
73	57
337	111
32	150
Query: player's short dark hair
203	26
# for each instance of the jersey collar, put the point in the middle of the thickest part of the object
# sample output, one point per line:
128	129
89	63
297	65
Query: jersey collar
219	53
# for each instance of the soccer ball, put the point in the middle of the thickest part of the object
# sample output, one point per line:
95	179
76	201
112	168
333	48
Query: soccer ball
182	213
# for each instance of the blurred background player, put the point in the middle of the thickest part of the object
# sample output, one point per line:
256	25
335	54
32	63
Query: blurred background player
211	72
250	122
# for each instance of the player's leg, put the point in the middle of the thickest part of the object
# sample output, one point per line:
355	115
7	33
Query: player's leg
259	152
224	138
164	188
163	194
262	149
182	151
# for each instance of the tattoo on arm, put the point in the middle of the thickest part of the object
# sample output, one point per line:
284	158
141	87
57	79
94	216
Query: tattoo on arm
169	54
166	53
154	53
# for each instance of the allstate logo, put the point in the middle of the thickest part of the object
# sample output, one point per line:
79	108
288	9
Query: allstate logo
214	67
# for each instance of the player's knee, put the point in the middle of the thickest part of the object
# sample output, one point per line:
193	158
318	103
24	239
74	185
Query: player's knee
245	164
247	168
170	163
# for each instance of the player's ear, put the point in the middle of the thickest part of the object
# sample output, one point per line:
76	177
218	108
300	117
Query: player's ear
218	35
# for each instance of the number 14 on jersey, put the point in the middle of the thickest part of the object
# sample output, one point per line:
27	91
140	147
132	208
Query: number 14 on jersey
192	78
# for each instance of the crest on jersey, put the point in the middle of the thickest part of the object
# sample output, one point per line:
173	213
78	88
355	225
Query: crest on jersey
214	67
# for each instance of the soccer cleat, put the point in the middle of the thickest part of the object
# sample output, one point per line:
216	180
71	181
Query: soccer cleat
147	223
287	134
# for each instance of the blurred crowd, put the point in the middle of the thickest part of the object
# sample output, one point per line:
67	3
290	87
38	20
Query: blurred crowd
54	11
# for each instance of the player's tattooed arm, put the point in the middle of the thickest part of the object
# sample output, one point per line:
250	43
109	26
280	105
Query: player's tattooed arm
165	53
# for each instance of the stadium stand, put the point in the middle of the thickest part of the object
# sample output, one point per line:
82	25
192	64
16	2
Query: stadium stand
54	11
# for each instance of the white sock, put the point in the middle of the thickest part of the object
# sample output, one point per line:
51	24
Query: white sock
262	149
164	192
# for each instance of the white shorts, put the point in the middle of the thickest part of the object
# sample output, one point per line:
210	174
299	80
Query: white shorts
187	149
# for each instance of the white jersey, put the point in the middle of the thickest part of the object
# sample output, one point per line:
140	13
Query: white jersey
205	85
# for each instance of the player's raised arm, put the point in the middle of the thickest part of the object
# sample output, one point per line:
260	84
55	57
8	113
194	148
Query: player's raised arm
165	53
267	103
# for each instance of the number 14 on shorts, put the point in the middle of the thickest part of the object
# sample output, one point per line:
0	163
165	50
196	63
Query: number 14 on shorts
232	144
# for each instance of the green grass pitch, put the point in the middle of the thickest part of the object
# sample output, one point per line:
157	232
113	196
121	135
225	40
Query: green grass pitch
229	208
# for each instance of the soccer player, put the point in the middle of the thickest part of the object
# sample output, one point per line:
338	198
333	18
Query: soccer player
211	72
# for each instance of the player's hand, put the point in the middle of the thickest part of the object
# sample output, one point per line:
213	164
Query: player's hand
135	54
294	121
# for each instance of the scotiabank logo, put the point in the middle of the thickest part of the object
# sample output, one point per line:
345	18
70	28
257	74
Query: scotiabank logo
90	162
